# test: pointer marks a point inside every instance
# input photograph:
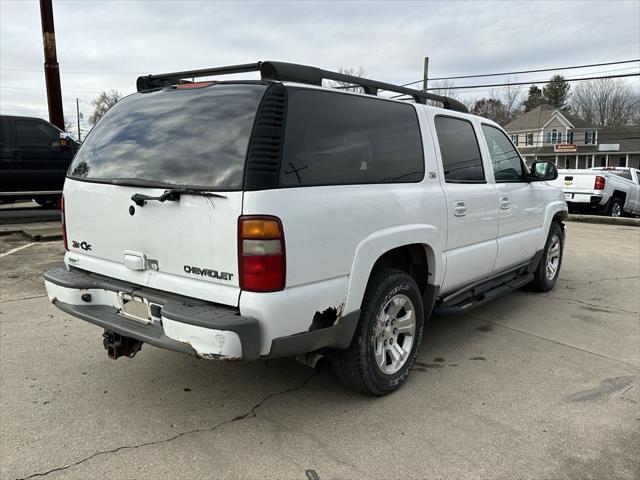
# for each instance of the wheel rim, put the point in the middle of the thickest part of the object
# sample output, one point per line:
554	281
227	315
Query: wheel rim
394	334
616	209
553	258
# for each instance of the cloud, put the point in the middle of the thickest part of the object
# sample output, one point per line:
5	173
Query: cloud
120	40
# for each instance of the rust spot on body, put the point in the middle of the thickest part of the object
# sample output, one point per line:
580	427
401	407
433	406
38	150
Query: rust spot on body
327	318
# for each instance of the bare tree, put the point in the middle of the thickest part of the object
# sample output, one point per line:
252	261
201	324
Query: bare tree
102	103
349	87
606	102
491	108
511	97
446	88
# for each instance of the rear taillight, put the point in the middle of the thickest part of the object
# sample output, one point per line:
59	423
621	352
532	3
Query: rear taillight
599	183
261	253
64	224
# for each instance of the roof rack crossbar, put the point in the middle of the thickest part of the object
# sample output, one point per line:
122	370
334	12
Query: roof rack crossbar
166	79
292	72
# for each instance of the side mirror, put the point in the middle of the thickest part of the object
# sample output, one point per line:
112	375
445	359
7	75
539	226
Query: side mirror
543	172
64	142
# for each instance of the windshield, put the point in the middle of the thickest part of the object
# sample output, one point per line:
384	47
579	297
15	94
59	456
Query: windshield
191	137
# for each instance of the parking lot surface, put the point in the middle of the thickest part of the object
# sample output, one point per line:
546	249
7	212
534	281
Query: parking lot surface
529	386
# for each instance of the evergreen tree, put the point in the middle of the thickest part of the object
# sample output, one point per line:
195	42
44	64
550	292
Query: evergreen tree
556	92
534	98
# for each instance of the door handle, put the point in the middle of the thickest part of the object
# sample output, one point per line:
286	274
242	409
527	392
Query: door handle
460	208
505	204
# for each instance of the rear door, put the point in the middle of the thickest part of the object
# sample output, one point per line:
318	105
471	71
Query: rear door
472	211
194	138
519	202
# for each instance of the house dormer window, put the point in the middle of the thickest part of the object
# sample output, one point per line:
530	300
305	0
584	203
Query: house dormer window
589	138
514	139
569	137
554	137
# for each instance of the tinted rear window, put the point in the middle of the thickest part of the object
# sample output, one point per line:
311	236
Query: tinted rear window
195	138
623	173
338	139
459	149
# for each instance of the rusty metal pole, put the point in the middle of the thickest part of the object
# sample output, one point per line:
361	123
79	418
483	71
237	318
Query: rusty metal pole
425	78
51	70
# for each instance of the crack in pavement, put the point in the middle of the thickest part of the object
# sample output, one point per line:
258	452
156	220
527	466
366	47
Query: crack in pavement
25	298
571	300
608	279
551	340
250	414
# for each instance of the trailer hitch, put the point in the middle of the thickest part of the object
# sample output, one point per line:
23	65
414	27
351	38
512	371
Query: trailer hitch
120	346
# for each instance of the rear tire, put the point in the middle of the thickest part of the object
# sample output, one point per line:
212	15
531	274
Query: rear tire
388	336
546	275
615	207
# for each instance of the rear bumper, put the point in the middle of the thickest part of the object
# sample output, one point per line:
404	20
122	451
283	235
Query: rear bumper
178	323
583	198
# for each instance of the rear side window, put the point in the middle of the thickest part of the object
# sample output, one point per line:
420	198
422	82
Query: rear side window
338	139
35	133
193	138
505	161
623	173
459	149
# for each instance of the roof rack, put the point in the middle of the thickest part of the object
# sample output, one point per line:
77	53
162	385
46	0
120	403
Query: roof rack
292	72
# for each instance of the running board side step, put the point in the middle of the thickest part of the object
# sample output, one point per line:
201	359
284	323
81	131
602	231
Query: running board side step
475	300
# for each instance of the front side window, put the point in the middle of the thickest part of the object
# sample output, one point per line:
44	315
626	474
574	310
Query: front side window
529	139
191	138
589	138
505	161
35	133
514	139
340	139
459	149
569	137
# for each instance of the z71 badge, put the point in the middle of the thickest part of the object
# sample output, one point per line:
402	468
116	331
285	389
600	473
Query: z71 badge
207	272
83	245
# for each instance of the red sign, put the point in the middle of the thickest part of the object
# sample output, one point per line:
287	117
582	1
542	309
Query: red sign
565	148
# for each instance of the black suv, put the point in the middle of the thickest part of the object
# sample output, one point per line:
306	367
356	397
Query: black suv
34	159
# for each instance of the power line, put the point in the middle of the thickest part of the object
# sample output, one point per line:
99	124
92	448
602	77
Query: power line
536	82
524	71
42	89
71	72
525	83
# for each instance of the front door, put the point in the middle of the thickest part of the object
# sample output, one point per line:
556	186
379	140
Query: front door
520	203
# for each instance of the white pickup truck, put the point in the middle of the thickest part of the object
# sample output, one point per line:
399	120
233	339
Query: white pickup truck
611	191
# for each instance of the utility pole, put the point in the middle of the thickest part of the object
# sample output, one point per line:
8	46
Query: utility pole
78	114
51	70
425	78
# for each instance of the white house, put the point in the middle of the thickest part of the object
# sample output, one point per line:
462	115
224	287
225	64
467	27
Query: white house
552	134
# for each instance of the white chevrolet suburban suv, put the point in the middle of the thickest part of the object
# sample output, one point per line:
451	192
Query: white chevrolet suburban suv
269	218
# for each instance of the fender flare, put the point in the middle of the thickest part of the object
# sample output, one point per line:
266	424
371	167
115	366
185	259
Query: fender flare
378	243
550	211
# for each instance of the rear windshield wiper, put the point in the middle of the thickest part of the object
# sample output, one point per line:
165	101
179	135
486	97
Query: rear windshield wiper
171	195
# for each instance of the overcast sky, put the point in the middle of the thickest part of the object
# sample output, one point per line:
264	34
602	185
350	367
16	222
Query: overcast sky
106	44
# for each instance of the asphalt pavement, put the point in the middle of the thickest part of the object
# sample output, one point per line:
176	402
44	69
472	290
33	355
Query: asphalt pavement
529	386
